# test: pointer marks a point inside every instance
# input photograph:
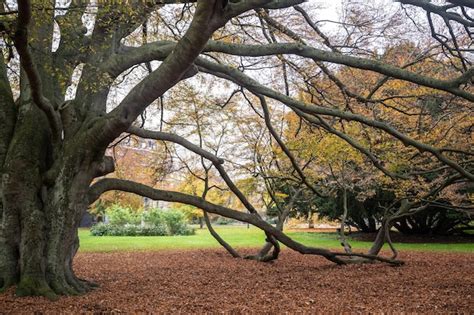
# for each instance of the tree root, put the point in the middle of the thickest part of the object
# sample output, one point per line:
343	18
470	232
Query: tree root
61	287
81	285
7	282
35	286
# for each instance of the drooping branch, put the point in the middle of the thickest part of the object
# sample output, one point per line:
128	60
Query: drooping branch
108	184
200	151
211	229
284	148
219	239
164	136
285	212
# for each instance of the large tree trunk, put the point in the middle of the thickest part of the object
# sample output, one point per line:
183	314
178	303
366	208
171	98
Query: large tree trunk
38	232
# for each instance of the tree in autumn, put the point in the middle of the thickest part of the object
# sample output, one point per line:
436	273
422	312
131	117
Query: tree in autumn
63	64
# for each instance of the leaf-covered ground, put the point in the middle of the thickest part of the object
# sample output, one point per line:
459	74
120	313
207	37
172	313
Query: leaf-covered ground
197	281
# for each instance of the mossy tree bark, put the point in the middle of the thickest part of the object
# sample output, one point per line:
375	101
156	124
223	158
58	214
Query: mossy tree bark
40	217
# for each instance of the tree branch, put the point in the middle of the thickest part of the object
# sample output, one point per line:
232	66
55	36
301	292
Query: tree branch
163	136
156	194
241	79
282	145
29	66
158	50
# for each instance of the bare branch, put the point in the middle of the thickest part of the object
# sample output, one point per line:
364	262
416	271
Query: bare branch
240	78
282	145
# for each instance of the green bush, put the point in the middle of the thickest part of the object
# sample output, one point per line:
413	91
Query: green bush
154	217
124	221
224	221
176	222
155	230
119	215
101	229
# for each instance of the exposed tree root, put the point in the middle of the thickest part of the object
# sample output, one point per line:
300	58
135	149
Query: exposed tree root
35	286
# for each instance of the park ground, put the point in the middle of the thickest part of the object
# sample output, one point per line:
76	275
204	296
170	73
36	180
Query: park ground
191	274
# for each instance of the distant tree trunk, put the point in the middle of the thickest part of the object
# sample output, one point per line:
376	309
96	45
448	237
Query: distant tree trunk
310	219
344	242
201	223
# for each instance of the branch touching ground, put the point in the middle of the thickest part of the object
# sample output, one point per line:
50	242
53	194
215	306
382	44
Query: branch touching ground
218	238
108	184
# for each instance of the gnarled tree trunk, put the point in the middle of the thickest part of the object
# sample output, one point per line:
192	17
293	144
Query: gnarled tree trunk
51	150
40	217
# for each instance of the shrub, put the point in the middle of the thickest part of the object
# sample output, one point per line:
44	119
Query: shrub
176	222
101	229
124	221
119	215
173	220
154	230
154	217
225	221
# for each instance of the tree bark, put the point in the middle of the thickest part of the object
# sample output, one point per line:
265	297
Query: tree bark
219	239
39	222
344	242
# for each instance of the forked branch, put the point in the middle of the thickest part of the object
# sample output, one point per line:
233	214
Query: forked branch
29	66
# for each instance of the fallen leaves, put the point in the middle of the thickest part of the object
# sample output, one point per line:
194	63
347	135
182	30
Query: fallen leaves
208	281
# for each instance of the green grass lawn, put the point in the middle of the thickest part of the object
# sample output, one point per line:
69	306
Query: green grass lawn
237	237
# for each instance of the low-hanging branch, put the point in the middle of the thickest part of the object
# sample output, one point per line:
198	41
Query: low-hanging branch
107	184
163	136
200	151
